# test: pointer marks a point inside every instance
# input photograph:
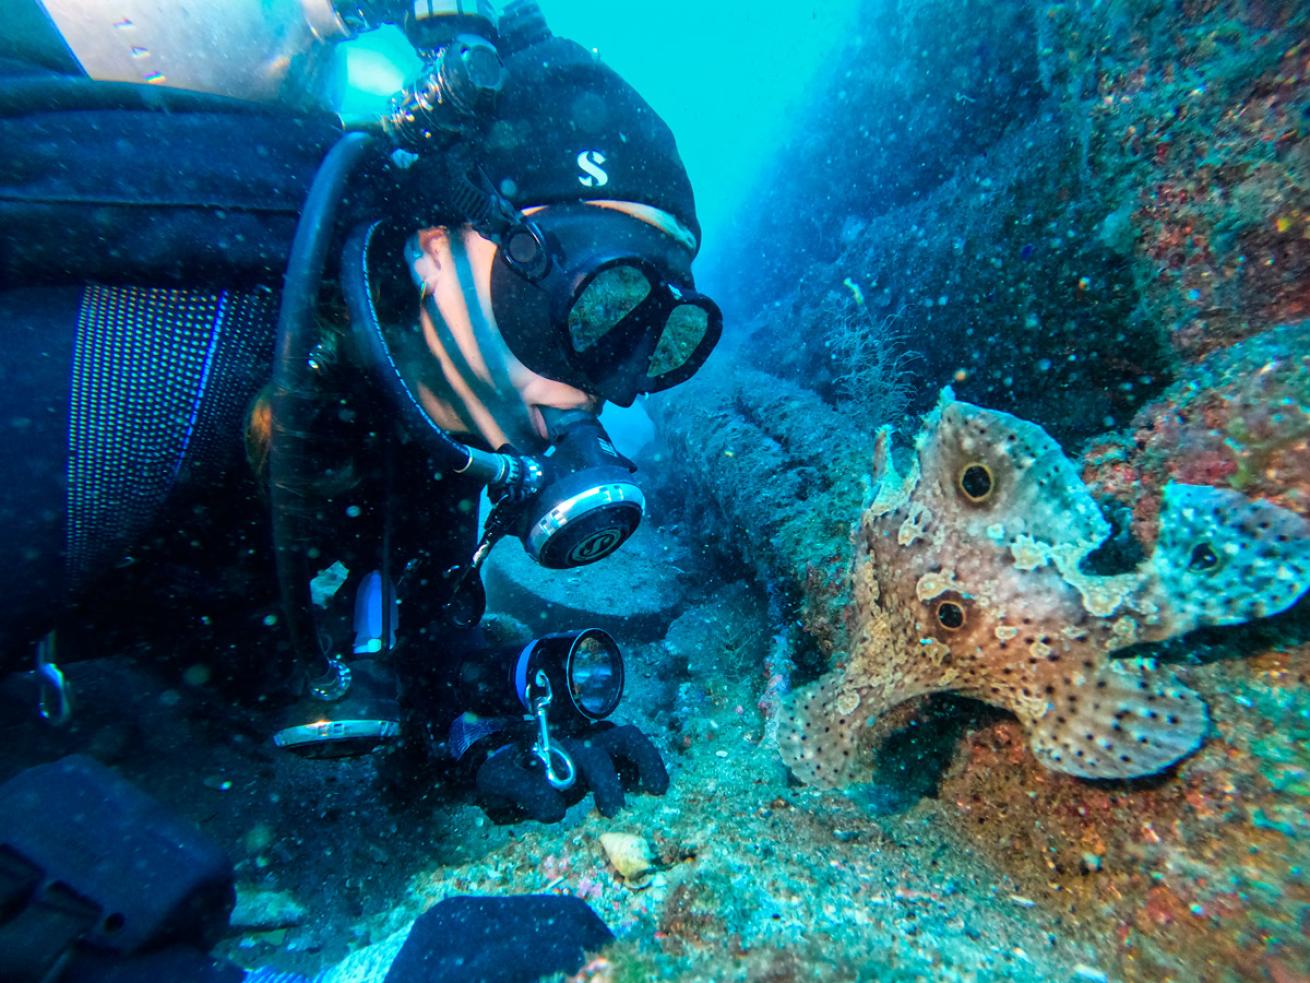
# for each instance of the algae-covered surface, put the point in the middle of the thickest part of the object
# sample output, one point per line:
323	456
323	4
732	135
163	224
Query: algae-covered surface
961	857
752	876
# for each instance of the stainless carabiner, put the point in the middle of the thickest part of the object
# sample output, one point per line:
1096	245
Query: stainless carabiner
54	695
545	751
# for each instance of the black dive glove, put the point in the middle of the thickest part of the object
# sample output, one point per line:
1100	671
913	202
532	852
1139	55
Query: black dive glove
511	780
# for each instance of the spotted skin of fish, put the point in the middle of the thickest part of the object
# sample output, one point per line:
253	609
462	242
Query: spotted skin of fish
969	577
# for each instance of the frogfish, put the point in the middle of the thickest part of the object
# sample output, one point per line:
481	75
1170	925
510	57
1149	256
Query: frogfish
969	575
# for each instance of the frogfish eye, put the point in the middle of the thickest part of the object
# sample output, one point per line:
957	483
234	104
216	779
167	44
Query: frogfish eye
1203	558
976	482
950	615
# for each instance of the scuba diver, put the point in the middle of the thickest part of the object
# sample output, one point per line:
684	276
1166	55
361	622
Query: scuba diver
258	370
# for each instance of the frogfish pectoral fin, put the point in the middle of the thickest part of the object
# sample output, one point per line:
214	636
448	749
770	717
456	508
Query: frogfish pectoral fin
821	732
1119	722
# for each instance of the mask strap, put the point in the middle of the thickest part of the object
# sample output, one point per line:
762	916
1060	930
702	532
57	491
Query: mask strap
494	217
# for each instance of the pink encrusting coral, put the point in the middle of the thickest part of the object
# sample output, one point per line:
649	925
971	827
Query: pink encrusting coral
1239	418
969	576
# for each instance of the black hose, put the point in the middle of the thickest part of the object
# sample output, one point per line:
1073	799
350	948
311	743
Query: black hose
448	454
388	533
294	397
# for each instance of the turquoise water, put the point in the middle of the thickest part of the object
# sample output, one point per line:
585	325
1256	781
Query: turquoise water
732	79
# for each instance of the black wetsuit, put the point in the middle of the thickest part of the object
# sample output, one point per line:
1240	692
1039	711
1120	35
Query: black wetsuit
143	243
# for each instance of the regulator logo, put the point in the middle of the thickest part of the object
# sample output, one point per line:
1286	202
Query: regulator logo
599	544
593	175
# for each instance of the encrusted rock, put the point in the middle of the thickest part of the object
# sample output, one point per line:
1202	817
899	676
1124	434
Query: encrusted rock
631	856
263	910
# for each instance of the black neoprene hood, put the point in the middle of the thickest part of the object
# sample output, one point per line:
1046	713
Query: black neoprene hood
568	128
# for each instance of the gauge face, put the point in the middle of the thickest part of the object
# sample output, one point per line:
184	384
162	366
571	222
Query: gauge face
595	675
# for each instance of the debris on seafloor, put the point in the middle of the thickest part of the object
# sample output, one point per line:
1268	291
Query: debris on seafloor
631	856
263	910
968	577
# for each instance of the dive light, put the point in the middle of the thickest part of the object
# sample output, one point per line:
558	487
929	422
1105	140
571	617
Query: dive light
583	670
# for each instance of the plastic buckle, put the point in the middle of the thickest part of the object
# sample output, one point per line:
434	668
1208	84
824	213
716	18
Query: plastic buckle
42	923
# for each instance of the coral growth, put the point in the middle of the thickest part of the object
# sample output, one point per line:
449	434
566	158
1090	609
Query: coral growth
1198	877
1146	203
775	462
969	577
1223	211
1239	418
872	374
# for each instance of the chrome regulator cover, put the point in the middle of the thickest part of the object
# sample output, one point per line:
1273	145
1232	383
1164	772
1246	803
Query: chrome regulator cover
587	525
588	506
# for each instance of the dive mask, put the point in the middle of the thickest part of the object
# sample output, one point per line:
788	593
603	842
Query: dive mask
605	304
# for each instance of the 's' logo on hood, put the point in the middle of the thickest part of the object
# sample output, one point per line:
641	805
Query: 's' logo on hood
589	162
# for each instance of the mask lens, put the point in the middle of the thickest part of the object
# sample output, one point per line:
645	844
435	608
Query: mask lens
683	333
595	675
611	296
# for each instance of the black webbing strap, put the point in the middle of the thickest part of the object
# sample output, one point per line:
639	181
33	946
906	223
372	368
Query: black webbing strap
18	882
39	921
